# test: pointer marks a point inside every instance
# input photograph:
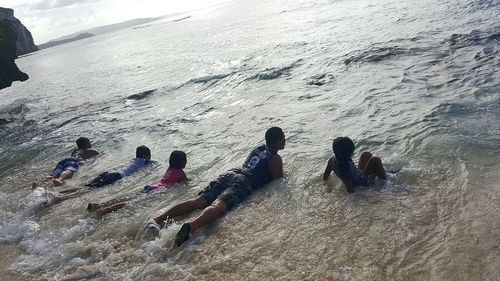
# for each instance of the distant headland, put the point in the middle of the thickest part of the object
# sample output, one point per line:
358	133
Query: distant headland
64	41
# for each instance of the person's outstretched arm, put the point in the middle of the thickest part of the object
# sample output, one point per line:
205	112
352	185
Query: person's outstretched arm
328	170
276	167
348	185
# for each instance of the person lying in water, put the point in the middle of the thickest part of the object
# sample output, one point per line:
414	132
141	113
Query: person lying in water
142	159
369	166
66	168
173	175
229	189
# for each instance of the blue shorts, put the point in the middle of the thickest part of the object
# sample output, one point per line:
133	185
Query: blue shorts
68	164
232	188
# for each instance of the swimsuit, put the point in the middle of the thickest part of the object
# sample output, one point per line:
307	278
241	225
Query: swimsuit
357	176
68	164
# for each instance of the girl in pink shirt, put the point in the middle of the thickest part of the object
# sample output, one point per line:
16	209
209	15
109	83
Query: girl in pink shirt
173	175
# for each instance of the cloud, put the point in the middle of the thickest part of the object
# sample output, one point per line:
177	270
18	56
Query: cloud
51	4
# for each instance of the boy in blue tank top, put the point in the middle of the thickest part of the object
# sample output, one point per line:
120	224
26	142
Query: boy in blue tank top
229	189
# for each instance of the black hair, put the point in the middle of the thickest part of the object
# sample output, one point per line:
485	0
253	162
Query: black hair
273	135
83	143
177	160
143	152
343	147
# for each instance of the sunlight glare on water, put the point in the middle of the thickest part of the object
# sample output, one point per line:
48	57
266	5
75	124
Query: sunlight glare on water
413	82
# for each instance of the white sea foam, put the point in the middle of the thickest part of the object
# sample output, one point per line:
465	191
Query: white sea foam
45	251
422	97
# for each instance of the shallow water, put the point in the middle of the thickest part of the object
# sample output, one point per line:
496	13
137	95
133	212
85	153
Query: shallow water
415	83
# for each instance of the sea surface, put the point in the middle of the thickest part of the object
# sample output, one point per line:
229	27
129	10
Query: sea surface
414	82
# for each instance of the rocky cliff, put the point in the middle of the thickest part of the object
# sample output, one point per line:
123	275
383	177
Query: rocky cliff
8	69
24	41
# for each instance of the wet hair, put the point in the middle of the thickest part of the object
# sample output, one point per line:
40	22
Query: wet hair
273	136
143	152
343	147
177	160
83	143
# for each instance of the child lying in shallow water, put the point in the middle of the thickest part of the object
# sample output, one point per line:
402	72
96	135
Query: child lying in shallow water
173	175
66	168
143	158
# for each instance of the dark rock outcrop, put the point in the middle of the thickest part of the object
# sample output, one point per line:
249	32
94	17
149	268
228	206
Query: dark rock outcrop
24	40
8	68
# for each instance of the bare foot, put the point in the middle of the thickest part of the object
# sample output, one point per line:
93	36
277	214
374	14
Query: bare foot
57	182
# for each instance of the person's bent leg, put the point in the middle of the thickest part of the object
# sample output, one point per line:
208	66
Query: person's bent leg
374	167
182	209
66	175
96	179
209	214
363	160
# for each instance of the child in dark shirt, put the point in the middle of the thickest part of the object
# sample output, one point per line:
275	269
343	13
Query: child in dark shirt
341	164
66	168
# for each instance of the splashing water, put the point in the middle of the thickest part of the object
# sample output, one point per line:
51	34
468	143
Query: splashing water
414	83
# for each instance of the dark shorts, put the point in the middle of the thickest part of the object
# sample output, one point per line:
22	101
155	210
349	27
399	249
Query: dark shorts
232	188
103	179
67	164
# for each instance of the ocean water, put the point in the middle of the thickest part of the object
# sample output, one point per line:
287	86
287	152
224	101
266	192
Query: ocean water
415	82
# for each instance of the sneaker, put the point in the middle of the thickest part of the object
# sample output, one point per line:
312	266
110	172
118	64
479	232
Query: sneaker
92	207
152	229
183	234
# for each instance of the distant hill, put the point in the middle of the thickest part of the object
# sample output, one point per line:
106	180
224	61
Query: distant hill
99	30
64	41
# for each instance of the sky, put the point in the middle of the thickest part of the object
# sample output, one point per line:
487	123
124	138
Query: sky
50	19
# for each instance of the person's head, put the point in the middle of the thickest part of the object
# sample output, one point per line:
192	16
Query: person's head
275	138
178	159
343	147
83	143
143	152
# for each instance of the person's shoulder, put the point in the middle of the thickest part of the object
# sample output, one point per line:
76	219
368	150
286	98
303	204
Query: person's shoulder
87	153
142	161
259	147
276	158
